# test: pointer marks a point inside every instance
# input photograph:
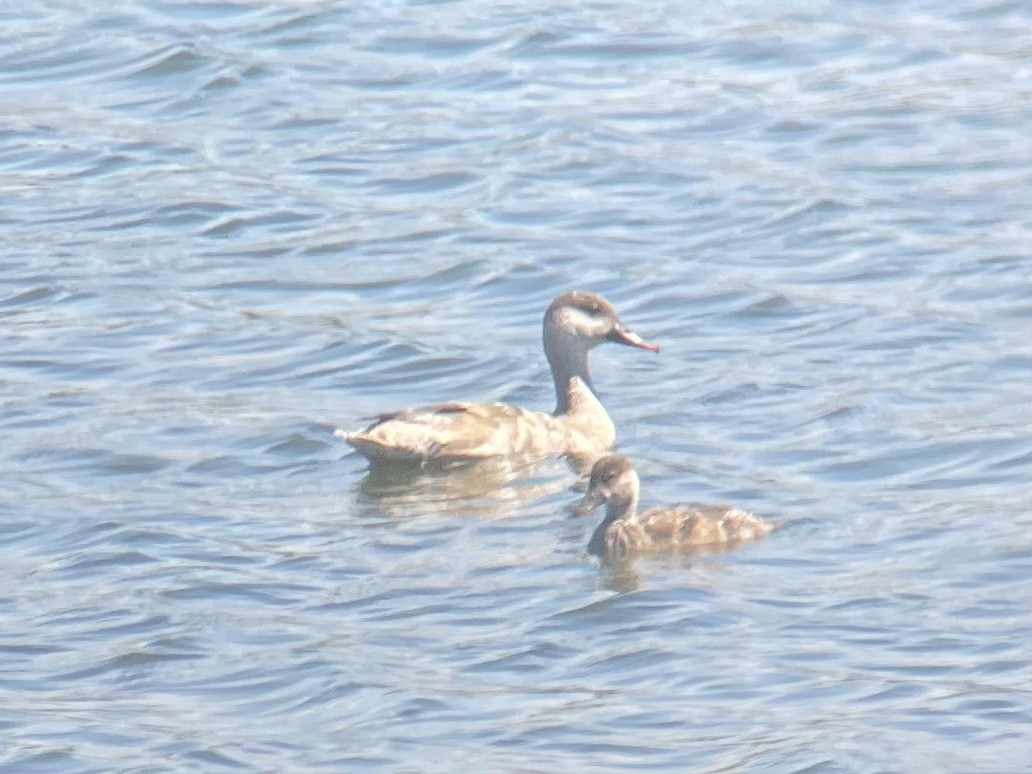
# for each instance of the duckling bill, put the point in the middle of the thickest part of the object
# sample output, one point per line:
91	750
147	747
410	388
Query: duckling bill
623	532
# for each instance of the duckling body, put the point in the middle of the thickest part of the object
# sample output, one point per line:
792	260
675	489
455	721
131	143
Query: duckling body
680	528
574	323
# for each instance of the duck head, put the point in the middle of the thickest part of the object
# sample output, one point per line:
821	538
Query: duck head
590	319
575	323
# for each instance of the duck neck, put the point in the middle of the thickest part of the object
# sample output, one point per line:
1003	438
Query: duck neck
568	358
622	509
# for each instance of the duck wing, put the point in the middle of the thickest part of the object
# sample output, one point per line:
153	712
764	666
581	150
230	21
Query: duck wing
458	431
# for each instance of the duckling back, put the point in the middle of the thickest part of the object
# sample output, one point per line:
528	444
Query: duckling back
686	527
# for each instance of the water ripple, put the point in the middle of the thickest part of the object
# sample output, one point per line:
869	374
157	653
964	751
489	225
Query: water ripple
233	227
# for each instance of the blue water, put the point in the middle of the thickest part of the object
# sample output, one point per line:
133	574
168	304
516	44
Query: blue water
231	227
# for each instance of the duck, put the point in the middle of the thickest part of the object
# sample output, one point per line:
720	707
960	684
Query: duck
574	323
624	532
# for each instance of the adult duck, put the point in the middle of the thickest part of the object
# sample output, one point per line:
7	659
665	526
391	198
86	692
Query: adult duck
623	532
575	323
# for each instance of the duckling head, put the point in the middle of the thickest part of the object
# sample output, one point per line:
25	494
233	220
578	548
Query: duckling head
614	482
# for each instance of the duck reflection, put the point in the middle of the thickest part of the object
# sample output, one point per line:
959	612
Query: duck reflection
619	575
622	574
487	488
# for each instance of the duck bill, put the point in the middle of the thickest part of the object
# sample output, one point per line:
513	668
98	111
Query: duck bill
622	335
588	503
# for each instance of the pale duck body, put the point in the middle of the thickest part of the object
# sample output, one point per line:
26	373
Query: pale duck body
680	528
574	323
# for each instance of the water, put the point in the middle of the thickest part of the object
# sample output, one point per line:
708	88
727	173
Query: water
229	228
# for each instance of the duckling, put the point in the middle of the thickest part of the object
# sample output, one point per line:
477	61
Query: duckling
575	322
623	532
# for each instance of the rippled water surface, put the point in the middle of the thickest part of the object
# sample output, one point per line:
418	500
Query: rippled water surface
231	227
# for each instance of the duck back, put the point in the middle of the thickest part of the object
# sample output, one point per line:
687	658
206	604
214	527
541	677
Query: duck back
471	431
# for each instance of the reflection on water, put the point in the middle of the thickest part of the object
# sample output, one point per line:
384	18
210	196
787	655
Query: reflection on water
619	575
697	567
486	488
